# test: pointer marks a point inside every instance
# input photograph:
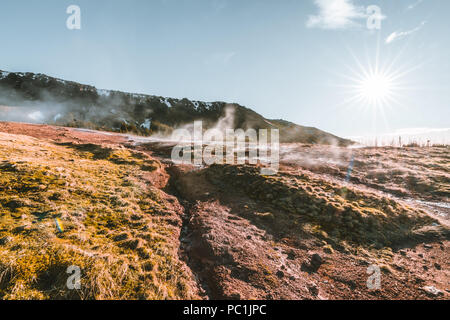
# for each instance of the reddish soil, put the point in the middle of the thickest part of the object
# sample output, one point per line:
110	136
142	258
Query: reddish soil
236	254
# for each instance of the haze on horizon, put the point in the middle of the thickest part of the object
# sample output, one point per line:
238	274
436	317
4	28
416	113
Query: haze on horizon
312	62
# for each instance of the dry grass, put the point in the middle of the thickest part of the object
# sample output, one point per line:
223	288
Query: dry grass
413	172
119	230
305	203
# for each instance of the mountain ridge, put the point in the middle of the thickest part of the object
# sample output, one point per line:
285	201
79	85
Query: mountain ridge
67	103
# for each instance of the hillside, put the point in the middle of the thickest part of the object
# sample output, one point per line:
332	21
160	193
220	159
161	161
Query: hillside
116	225
38	98
141	227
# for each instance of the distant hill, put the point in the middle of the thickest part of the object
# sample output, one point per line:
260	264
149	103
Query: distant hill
30	97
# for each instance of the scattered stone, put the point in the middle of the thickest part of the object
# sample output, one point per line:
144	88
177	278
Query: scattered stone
120	237
399	267
403	253
314	264
291	255
147	266
432	291
420	280
363	262
136	217
316	260
428	246
143	253
280	274
130	244
5	240
421	255
55	196
21	229
314	290
328	249
15	204
437	266
351	284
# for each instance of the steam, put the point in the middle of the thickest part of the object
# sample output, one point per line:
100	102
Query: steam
226	122
49	109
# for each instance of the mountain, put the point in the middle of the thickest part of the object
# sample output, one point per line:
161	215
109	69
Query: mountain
30	97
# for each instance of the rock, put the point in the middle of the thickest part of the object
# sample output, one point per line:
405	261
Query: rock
143	253
328	249
399	267
428	246
403	253
316	260
432	291
280	274
437	266
147	266
120	237
291	255
419	280
314	290
5	240
363	262
136	217
21	229
15	204
314	264
130	244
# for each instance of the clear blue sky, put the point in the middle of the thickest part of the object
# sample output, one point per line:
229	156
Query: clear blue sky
285	59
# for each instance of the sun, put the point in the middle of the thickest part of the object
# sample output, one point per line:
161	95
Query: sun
373	86
376	87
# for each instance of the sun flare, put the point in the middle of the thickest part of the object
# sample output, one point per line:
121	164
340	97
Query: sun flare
373	85
376	87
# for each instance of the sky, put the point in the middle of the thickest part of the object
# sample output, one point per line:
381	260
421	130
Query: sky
305	61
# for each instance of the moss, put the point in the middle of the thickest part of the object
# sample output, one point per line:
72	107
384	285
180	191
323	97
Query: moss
346	213
99	196
328	249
